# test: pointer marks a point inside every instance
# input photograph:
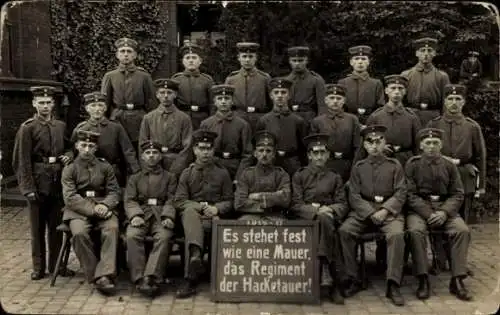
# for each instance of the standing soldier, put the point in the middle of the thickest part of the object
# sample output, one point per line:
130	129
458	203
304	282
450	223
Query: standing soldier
377	193
435	194
149	209
233	145
463	141
251	94
39	152
91	195
193	96
263	191
318	194
168	126
307	94
114	144
204	193
364	94
425	82
343	129
289	128
129	90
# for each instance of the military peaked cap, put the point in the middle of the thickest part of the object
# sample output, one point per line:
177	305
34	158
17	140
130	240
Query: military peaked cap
396	79
336	89
126	42
430	133
281	83
149	144
455	89
43	90
264	137
373	131
222	89
247	47
88	136
170	84
316	140
204	136
191	48
425	42
362	50
473	53
298	51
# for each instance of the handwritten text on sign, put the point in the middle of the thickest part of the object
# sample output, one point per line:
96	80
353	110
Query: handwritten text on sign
257	260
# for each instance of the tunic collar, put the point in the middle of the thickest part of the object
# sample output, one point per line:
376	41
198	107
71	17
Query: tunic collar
128	68
335	113
432	159
157	169
299	74
221	117
104	121
376	159
425	68
360	76
194	73
166	109
201	167
456	119
83	162
250	72
281	111
50	121
393	108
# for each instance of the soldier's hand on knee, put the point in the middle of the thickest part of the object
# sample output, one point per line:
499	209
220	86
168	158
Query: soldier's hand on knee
433	219
168	223
210	211
137	221
326	211
442	217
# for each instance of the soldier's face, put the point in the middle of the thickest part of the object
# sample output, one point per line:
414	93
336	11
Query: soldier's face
318	155
298	63
191	61
86	149
151	157
204	152
223	102
431	146
395	92
247	60
165	96
96	110
264	154
334	102
374	145
454	103
43	105
126	55
472	59
425	54
360	63
280	96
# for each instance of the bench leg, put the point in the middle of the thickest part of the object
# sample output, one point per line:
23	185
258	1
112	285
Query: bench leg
63	252
362	266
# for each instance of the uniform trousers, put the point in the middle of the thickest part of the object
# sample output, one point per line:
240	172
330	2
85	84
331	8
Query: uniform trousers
458	237
84	246
393	230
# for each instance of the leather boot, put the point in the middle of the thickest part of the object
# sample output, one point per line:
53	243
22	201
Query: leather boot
458	289
423	290
394	294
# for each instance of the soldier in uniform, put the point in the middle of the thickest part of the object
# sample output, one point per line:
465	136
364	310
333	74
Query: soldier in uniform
463	141
233	145
364	94
318	194
204	193
471	69
377	192
114	144
129	90
435	194
307	94
39	153
148	205
91	195
193	96
251	85
425	82
289	128
343	129
263	191
168	126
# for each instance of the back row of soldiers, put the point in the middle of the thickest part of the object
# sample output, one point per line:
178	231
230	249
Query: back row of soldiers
39	149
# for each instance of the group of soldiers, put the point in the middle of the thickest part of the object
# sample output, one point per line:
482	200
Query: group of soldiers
358	155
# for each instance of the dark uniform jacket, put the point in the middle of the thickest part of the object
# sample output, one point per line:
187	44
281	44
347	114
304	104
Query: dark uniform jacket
36	141
307	91
150	193
434	184
250	89
87	183
467	69
362	91
312	184
194	90
375	183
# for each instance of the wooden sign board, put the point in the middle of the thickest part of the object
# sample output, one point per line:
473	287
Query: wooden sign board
261	261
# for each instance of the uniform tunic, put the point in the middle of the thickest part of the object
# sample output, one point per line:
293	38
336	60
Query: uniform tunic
364	94
344	130
467	69
273	183
426	86
171	128
289	129
376	183
35	142
307	94
251	94
129	85
233	145
194	96
434	184
85	184
313	184
114	145
149	194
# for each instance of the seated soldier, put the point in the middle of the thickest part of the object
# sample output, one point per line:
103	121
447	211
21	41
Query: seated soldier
204	193
318	194
263	191
91	194
148	206
377	193
435	194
